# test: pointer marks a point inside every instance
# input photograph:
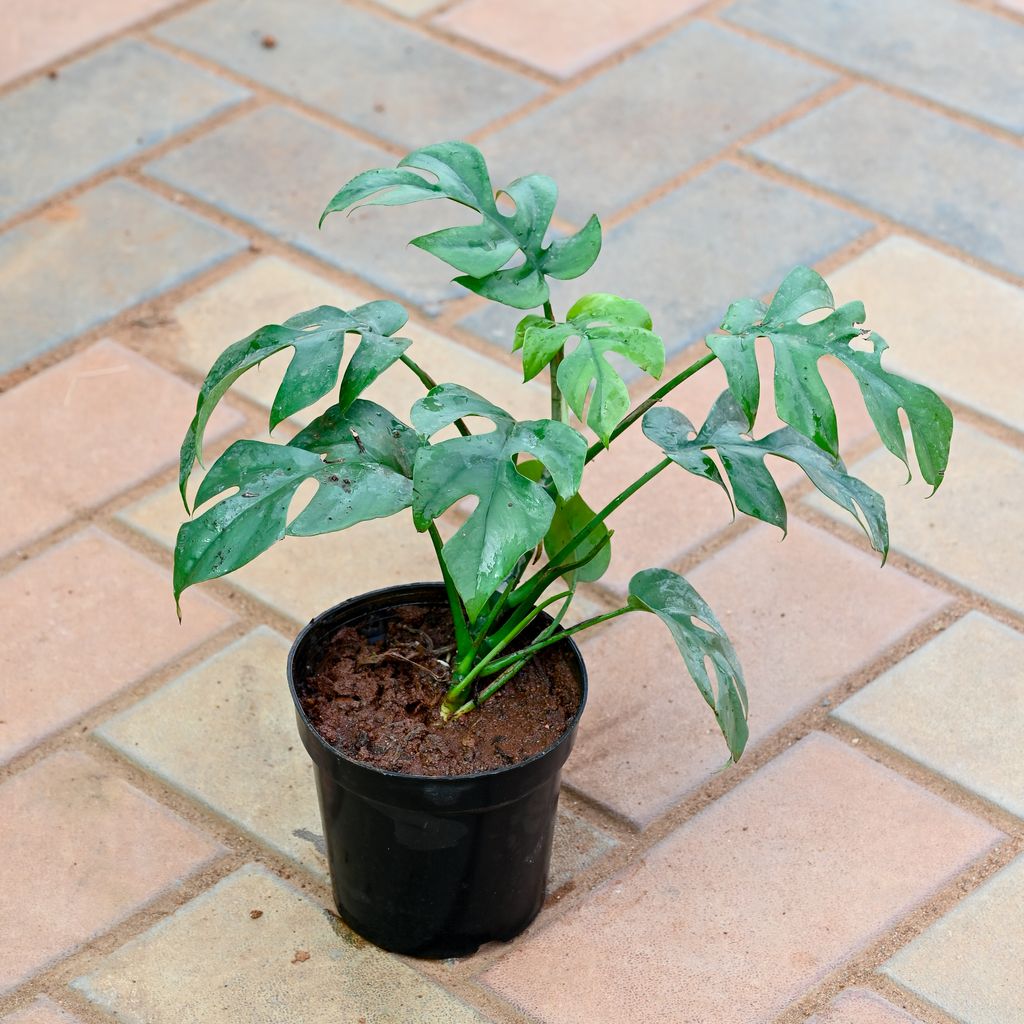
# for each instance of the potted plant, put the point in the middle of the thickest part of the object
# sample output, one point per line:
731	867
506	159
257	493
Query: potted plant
439	715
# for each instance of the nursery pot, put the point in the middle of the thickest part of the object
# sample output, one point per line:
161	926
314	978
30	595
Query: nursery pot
423	865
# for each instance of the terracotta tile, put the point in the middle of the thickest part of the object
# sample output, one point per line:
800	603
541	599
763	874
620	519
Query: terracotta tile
564	38
91	850
83	621
40	31
40	1011
802	614
303	576
232	961
920	707
946	322
271	289
969	530
112	418
859	1006
751	902
968	962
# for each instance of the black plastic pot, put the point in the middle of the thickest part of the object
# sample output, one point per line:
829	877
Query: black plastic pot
430	866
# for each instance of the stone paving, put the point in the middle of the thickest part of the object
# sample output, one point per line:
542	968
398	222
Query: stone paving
162	168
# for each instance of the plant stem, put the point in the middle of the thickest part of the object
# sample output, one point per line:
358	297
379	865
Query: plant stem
612	505
429	383
528	652
448	707
558	408
463	641
652	400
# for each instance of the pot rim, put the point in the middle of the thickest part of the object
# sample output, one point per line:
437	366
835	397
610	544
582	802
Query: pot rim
333	751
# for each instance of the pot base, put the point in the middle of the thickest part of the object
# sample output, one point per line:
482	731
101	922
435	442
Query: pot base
422	865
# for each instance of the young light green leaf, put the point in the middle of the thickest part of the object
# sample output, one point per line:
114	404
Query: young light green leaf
360	462
754	489
513	513
482	251
317	337
700	639
801	397
528	321
603	324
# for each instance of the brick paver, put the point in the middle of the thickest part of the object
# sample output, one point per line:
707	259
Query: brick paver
316	38
237	168
898	43
70	644
721	143
302	576
970	205
232	710
968	962
724	86
40	1011
148	246
295	959
810	859
921	707
59	131
858	1006
934	307
811	585
91	850
114	418
561	40
967	530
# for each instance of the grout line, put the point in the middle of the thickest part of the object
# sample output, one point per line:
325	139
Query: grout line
859	78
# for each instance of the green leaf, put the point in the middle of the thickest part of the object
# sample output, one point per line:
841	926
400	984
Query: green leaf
571	515
361	463
482	251
513	513
754	489
572	257
373	356
801	398
317	337
700	639
530	320
603	324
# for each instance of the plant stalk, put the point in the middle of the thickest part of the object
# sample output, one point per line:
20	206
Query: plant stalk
429	383
653	399
559	411
463	640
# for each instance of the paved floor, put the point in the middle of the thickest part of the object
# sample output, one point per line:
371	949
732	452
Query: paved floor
163	165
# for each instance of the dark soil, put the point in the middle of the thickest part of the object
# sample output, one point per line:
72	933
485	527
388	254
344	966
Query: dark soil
376	696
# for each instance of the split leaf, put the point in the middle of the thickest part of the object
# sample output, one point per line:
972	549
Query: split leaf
700	639
801	398
513	513
362	461
317	337
481	251
753	487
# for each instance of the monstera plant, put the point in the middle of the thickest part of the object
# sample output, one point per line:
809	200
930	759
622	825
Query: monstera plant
517	558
